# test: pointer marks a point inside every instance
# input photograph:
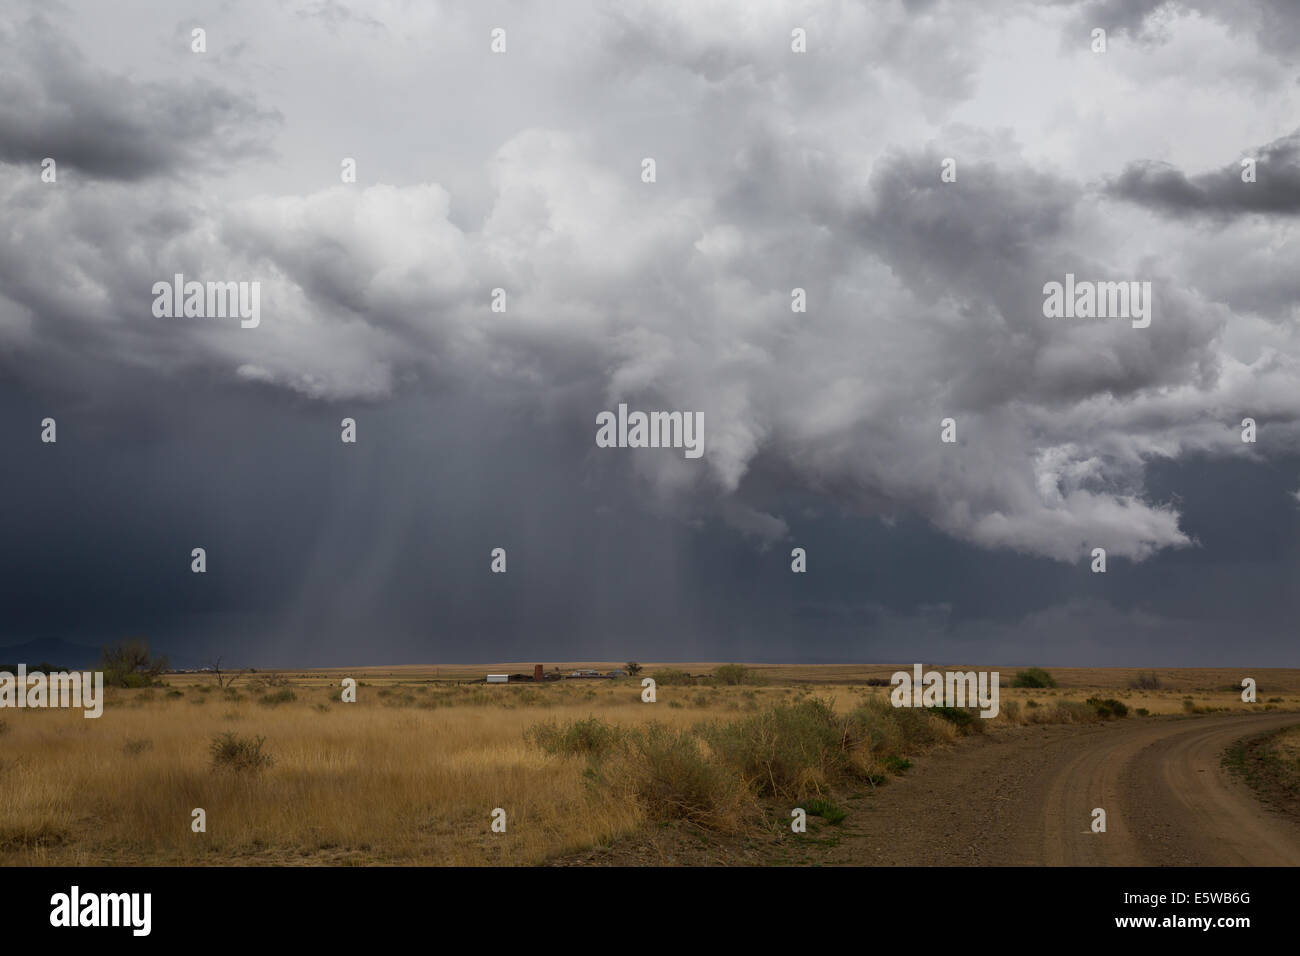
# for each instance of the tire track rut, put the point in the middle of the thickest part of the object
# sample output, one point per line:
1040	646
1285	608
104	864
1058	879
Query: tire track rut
1025	798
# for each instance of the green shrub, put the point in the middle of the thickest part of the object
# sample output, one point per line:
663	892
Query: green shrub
130	664
731	674
282	696
1147	681
1033	677
817	807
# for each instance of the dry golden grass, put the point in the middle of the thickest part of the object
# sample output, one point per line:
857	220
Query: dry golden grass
383	780
408	775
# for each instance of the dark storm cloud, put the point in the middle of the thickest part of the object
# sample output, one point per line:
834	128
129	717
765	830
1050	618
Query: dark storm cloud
476	428
54	102
1220	193
1275	24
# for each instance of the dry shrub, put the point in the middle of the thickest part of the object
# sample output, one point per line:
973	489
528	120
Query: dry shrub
242	754
669	774
888	730
788	750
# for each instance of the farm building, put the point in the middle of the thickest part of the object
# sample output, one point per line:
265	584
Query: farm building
538	675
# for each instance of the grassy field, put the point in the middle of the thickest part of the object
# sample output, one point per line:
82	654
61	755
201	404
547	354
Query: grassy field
411	772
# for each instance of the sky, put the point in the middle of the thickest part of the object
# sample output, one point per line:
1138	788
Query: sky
523	170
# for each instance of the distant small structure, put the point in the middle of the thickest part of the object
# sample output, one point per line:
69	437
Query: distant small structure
538	675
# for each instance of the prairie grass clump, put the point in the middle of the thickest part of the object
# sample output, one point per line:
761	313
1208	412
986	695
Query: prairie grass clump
587	737
242	754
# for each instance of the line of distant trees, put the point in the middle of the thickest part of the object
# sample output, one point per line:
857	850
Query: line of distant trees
45	667
130	663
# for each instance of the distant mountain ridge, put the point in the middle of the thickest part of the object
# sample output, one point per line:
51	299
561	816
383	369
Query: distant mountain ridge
50	650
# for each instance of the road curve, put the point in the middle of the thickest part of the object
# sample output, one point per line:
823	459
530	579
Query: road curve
1026	797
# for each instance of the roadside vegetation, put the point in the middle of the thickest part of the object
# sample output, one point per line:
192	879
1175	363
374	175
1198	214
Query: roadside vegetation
1270	764
410	773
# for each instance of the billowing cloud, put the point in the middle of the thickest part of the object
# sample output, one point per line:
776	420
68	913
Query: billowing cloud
776	171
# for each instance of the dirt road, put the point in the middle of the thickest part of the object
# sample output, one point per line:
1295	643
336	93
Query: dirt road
1026	798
